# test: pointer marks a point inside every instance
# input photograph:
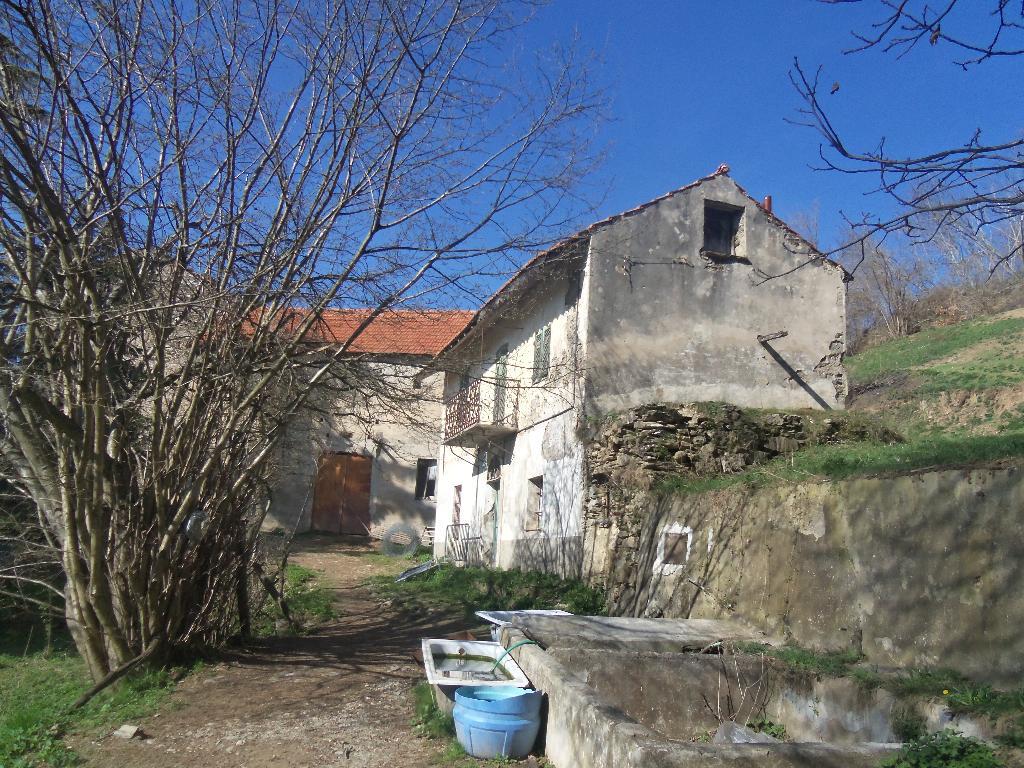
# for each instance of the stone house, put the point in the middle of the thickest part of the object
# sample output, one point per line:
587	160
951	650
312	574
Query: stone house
700	295
360	463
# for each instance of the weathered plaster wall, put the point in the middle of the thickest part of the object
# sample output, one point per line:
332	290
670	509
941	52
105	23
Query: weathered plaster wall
553	451
394	436
668	325
921	569
546	444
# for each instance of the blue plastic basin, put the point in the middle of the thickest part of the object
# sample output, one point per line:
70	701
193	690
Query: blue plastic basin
497	722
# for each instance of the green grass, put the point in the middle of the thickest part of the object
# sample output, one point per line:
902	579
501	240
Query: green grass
839	462
927	346
38	685
397	564
945	749
992	369
959	694
430	721
309	602
466	590
826	663
36	692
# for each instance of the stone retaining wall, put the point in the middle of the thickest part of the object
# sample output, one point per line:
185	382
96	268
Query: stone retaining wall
922	569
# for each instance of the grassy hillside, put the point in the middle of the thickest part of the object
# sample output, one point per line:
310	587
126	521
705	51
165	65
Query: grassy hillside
960	381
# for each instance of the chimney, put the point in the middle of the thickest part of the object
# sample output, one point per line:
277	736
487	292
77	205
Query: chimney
767	204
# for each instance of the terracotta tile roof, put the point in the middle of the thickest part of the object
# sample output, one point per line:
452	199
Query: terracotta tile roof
395	332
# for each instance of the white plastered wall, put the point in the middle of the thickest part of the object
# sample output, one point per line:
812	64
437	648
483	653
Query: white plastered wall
547	444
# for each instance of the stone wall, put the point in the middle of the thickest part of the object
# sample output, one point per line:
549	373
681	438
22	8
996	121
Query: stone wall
923	569
713	438
915	569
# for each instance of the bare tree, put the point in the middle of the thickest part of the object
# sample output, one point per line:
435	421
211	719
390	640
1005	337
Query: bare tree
970	257
972	186
885	293
184	188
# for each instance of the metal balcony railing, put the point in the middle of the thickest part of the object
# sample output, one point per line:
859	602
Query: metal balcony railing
481	411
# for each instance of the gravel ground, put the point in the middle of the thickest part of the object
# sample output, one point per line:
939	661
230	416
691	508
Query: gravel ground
338	697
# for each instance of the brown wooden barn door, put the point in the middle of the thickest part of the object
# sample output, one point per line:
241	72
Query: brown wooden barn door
341	497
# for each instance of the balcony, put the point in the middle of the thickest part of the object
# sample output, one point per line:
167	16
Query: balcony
481	412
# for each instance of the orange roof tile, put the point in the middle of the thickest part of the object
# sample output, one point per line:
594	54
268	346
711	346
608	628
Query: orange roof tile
394	332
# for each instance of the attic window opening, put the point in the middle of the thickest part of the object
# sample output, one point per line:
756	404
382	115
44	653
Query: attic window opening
721	230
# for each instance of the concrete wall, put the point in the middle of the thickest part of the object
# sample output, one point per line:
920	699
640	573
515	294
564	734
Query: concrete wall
546	444
667	324
394	430
584	729
915	570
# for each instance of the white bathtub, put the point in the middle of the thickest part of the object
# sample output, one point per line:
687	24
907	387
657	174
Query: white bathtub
441	659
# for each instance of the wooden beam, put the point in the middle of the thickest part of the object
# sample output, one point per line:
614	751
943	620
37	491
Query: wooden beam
772	336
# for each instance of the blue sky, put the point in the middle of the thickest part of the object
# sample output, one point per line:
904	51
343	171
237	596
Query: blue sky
696	84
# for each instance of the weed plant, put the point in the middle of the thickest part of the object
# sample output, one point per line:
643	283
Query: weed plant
309	602
945	749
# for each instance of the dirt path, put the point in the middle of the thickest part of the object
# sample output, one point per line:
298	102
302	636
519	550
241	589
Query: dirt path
339	697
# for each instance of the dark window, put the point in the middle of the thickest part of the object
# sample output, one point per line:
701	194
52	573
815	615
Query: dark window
426	478
575	288
541	353
456	505
534	504
494	462
676	548
721	228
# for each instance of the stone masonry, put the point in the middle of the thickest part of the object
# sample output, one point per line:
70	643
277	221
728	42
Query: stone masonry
636	451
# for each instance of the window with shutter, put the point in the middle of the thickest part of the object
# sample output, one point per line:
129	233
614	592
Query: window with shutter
541	353
722	232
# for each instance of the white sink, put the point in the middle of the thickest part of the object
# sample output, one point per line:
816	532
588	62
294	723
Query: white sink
469	662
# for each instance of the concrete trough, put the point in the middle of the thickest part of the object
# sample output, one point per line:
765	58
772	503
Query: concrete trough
631	693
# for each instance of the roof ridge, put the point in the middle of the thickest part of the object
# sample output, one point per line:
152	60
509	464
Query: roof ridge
722	170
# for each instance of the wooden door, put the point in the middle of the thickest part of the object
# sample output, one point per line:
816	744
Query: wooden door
341	497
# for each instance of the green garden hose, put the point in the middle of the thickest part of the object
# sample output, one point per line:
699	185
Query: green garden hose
509	650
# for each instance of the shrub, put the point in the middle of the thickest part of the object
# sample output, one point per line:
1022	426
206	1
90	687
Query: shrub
945	749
